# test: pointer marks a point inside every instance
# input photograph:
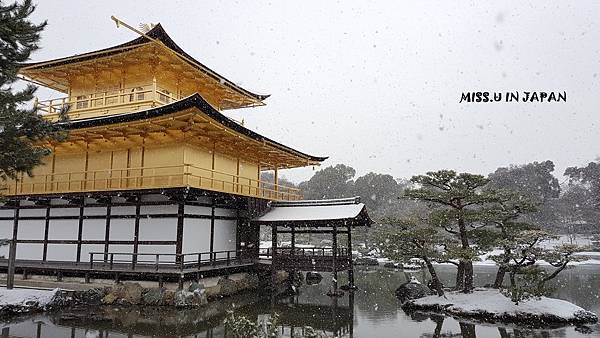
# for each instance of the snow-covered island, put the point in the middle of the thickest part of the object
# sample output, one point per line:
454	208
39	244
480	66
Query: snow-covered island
17	301
491	306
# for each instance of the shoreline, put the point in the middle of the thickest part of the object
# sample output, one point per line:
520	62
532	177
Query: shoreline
490	306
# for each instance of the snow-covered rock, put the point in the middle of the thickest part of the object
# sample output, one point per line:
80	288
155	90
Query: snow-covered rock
491	305
412	289
26	300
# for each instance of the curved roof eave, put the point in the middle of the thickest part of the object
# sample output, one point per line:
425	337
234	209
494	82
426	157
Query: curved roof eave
158	33
197	101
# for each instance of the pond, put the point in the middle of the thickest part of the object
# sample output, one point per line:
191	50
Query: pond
371	312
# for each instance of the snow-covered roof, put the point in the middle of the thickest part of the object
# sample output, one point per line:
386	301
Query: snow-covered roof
317	213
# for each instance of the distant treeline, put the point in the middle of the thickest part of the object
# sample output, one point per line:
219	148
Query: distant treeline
569	207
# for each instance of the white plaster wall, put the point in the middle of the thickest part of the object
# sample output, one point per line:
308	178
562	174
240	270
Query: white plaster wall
158	229
122	229
30	251
126	248
158	209
121	210
197	210
5	232
7	213
31	229
32	212
87	248
64	212
94	211
157	249
63	229
196	235
62	252
225	235
94	229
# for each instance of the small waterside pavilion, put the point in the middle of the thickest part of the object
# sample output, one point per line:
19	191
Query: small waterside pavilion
333	217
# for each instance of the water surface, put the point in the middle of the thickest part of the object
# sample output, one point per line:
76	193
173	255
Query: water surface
371	312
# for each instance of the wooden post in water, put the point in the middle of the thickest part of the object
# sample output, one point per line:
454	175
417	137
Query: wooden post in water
273	267
350	263
335	256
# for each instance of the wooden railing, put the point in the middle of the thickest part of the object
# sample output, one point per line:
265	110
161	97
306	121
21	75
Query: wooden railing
102	102
157	261
313	251
151	178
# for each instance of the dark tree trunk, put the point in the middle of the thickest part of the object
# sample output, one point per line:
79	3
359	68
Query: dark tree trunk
468	287
499	277
437	284
460	276
439	323
467	264
467	330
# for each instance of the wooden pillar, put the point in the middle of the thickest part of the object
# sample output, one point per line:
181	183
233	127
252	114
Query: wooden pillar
136	230
80	229
351	263
276	180
351	306
107	228
212	229
12	254
46	230
334	248
273	256
179	236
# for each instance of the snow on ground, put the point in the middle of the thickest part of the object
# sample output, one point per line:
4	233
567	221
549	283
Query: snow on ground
26	298
490	303
583	240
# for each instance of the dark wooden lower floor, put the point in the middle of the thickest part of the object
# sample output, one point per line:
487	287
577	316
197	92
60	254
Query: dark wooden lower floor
174	272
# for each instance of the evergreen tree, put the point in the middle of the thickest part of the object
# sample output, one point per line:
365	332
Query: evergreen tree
411	238
21	129
331	182
456	202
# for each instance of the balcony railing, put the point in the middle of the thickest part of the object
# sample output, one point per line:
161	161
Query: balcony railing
150	178
107	101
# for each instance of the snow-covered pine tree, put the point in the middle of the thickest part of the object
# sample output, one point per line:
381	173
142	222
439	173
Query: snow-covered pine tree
20	127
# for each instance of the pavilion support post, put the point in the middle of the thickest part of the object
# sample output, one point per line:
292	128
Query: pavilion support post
80	229
46	230
273	257
212	230
350	261
107	228
136	232
12	254
351	306
293	271
334	248
276	181
179	235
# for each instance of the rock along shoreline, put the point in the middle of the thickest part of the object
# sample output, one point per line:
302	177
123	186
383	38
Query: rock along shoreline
22	301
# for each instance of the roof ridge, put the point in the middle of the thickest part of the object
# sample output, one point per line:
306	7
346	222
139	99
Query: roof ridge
324	202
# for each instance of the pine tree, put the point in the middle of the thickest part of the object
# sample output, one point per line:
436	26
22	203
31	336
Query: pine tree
456	202
21	129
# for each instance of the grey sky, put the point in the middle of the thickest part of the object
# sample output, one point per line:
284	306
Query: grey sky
376	85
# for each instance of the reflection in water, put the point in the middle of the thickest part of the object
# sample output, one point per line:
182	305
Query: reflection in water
372	311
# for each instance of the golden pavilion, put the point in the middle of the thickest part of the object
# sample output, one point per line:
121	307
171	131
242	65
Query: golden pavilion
149	150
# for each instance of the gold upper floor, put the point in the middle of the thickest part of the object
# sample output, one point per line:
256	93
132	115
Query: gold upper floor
145	115
144	72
